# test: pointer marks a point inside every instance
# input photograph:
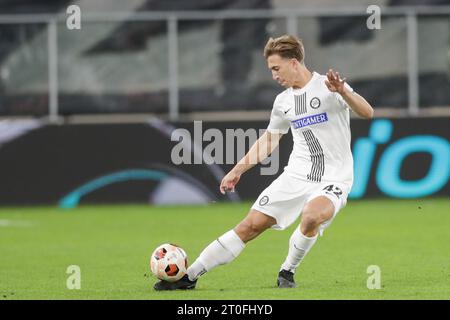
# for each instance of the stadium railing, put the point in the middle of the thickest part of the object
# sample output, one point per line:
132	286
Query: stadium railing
171	101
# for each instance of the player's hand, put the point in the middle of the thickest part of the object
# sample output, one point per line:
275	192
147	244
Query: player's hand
334	82
229	182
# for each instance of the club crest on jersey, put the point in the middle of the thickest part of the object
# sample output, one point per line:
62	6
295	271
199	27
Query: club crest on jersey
310	120
314	103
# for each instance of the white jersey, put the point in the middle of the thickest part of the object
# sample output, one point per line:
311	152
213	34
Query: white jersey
320	123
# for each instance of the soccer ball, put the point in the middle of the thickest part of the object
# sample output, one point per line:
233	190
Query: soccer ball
169	262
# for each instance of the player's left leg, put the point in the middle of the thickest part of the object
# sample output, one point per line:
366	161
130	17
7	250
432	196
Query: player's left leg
314	214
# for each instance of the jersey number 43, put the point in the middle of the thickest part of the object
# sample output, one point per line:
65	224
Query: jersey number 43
333	189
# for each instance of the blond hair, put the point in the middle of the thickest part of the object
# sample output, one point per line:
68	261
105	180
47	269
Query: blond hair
286	46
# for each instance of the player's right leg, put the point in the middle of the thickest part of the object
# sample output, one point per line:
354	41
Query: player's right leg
222	250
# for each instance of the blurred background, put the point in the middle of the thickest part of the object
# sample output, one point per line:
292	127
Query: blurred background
87	114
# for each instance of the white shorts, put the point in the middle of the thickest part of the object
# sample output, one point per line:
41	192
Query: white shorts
286	196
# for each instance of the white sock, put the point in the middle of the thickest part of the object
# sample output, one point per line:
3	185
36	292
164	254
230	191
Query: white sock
221	251
299	245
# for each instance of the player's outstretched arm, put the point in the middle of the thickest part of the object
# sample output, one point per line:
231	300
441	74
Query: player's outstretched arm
358	104
260	150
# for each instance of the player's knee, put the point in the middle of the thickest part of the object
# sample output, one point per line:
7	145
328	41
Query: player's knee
309	222
313	217
247	230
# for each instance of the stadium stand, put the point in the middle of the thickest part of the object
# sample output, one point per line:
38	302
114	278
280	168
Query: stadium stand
119	66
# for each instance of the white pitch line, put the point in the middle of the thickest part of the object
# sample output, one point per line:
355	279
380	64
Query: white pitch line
15	223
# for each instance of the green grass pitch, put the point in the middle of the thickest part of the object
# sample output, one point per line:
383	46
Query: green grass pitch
408	239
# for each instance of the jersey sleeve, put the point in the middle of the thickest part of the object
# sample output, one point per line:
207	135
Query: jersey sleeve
278	121
341	100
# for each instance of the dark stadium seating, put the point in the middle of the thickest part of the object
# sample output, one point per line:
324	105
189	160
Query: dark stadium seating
235	72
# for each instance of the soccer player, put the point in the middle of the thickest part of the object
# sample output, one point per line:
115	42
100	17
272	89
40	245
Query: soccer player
319	174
